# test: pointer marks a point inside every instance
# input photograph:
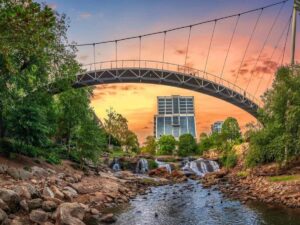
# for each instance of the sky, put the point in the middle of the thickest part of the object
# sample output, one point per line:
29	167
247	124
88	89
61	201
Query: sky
101	20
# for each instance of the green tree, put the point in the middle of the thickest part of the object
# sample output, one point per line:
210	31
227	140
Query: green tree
230	129
278	140
32	55
73	107
116	126
131	142
166	145
150	145
186	145
90	140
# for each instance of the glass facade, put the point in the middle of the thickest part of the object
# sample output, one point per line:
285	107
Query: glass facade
217	127
175	116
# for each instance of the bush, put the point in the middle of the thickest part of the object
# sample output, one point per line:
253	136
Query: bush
166	145
186	145
152	164
229	159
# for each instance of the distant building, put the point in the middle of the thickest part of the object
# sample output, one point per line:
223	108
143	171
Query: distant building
217	127
175	116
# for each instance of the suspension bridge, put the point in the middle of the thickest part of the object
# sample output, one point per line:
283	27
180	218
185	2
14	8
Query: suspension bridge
129	60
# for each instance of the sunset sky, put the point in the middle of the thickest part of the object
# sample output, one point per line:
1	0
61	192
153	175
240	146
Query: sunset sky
101	20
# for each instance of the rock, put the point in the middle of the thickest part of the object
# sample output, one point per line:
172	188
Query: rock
3	205
3	217
48	193
49	206
95	211
108	218
13	172
92	220
69	193
11	198
70	214
24	205
24	174
57	192
39	172
38	216
3	168
35	203
22	191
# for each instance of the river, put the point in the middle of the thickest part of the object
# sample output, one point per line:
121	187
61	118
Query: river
190	204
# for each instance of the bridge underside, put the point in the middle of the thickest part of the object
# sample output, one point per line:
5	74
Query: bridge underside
170	78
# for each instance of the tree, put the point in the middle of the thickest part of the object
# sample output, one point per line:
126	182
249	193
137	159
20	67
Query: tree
230	129
90	140
166	145
278	140
186	145
131	142
116	125
73	108
150	145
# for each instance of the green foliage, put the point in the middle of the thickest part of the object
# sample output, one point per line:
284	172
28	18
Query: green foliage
150	145
166	145
32	55
186	145
229	157
208	142
230	130
152	164
278	140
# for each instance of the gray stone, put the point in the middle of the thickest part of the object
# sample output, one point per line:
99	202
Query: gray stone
3	168
70	193
39	172
3	216
70	214
24	205
11	198
38	216
49	206
48	193
35	203
3	206
108	218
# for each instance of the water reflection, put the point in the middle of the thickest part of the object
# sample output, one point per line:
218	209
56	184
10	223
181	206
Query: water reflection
190	204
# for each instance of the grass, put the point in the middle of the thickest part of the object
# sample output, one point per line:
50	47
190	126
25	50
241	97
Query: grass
284	178
242	174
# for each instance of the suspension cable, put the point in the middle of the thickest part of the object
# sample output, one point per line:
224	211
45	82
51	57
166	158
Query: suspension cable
164	47
183	27
287	26
94	56
116	50
248	44
264	45
140	50
187	46
230	43
286	38
209	47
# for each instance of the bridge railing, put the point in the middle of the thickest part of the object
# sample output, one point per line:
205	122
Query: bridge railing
172	67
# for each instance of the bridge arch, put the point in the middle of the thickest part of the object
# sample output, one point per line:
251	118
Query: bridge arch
155	72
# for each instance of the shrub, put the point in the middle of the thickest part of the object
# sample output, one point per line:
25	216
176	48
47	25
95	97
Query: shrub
166	144
186	145
152	164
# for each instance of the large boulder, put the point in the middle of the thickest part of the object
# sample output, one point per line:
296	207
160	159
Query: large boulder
38	216
11	198
70	214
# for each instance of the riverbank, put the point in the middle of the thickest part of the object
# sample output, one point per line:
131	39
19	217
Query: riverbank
34	192
269	184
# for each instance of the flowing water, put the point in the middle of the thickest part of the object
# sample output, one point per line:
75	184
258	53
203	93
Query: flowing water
190	204
200	167
142	166
164	165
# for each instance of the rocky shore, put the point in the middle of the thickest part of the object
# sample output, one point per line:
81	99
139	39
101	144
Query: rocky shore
33	192
249	186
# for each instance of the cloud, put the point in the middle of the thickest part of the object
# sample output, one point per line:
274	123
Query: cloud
85	15
180	52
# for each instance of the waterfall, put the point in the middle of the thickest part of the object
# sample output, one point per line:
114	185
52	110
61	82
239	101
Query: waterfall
200	167
164	165
116	165
142	166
